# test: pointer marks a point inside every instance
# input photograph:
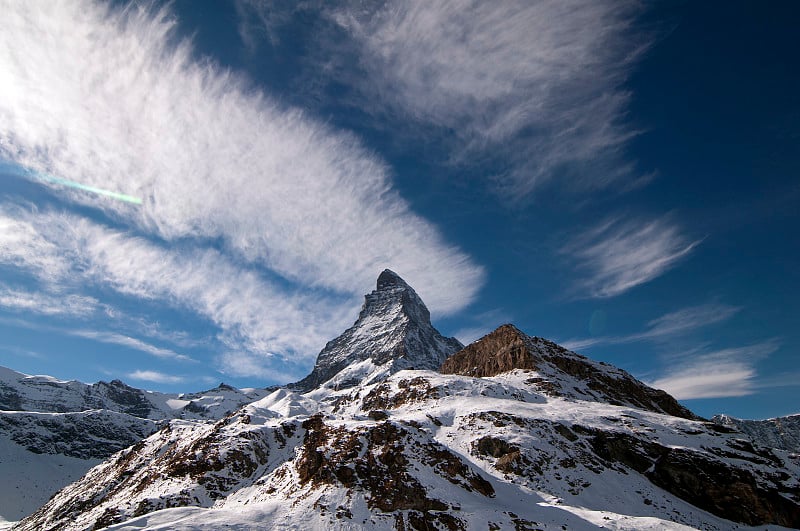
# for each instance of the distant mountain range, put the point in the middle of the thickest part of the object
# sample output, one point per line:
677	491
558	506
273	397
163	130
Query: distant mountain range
398	427
52	431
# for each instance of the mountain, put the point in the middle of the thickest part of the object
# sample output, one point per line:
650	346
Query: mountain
393	332
514	432
53	431
780	432
560	372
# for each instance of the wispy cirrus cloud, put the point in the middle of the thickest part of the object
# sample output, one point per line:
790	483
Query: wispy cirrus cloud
21	246
101	336
155	377
665	328
105	97
114	338
537	86
715	374
619	255
251	313
68	305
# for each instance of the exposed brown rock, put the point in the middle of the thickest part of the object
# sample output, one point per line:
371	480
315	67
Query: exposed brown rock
376	460
500	351
507	349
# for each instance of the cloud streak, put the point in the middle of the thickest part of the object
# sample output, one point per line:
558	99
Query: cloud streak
251	313
43	304
667	327
536	84
718	374
130	342
155	377
619	255
106	98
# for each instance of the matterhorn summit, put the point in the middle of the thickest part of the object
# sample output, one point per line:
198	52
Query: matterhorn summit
393	332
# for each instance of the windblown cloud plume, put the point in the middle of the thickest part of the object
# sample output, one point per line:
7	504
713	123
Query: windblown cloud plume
618	254
716	374
538	84
667	328
110	99
251	313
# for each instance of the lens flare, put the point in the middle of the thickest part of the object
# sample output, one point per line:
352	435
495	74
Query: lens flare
41	176
87	188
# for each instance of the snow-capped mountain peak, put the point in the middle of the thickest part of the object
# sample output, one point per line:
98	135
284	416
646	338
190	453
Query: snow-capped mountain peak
393	332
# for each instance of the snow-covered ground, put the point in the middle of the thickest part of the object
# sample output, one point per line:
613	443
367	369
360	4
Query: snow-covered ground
53	431
28	479
556	480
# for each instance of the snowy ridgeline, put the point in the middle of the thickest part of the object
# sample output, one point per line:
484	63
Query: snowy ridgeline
426	449
515	432
53	431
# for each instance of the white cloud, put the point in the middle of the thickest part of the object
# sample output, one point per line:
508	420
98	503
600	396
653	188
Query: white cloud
21	246
619	255
252	314
248	365
155	376
692	318
718	374
708	381
536	84
130	342
44	304
101	96
667	327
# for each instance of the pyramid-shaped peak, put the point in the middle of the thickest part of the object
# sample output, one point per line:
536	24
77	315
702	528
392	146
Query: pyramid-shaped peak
393	331
388	280
392	293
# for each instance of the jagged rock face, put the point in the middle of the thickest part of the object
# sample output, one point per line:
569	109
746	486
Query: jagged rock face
780	432
94	434
559	370
393	331
20	392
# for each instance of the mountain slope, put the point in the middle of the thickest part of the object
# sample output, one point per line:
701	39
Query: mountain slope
515	432
393	332
53	431
521	434
423	449
563	373
780	432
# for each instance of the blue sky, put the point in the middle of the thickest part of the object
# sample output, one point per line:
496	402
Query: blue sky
620	177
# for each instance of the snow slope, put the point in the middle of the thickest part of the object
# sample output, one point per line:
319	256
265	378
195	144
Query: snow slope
451	450
53	431
513	432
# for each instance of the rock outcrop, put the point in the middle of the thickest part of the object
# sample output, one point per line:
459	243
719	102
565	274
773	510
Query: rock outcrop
560	371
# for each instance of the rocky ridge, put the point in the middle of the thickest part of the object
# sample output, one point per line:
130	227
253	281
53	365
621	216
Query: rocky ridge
518	433
780	432
72	425
562	372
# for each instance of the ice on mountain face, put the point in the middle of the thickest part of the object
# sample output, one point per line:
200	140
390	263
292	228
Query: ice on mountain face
393	331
